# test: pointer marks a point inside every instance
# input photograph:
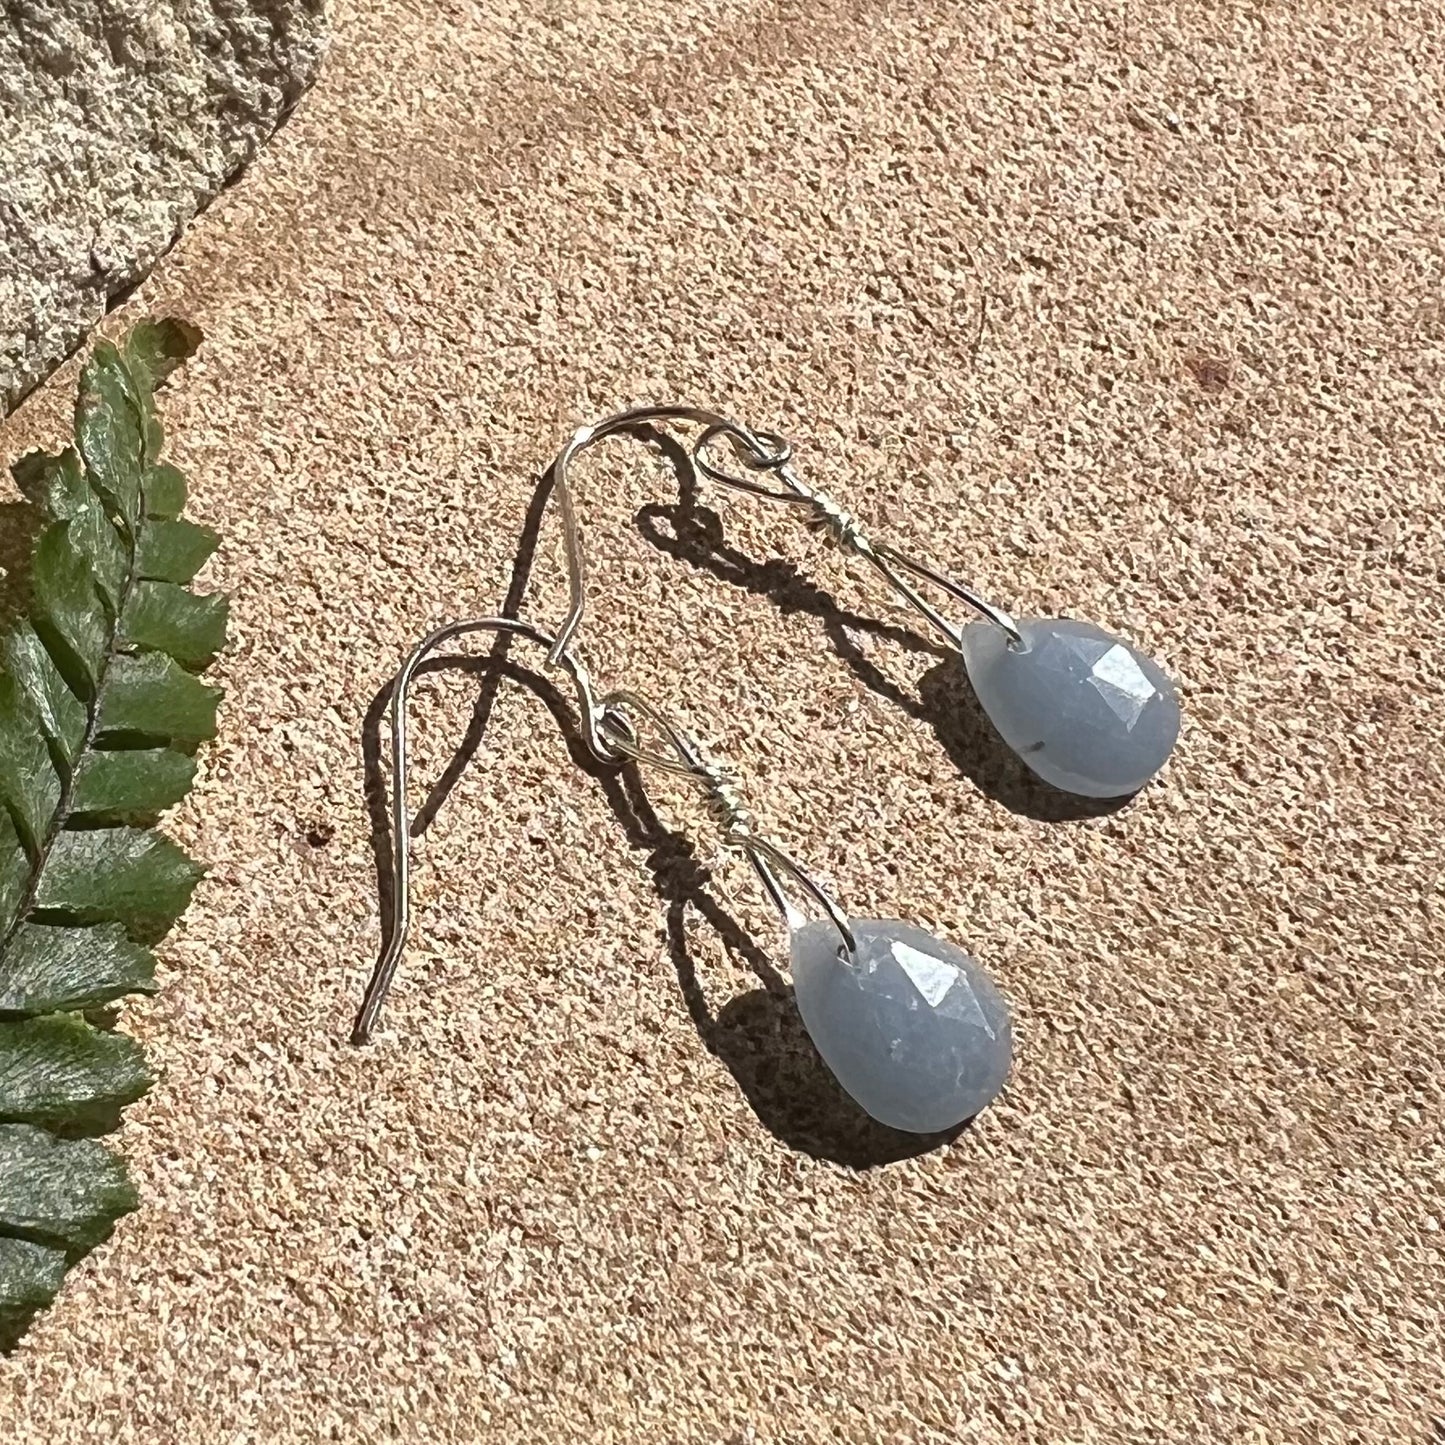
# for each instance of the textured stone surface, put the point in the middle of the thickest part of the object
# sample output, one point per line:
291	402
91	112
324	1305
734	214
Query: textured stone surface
1084	710
1132	311
119	119
911	1026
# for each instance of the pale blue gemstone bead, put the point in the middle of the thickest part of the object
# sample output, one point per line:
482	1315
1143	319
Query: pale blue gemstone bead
1084	710
910	1025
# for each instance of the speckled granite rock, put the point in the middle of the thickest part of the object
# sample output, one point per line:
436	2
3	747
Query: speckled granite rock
119	120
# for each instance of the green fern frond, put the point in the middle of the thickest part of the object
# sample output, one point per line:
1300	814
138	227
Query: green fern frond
100	713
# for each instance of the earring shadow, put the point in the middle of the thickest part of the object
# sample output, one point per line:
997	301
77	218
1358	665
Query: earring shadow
759	1036
691	532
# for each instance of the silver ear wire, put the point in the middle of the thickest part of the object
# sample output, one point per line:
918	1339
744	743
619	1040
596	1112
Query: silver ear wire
913	1029
608	729
390	960
1083	709
761	451
845	530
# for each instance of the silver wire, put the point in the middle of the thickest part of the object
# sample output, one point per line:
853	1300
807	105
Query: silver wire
761	451
844	529
390	960
723	789
607	728
612	737
583	438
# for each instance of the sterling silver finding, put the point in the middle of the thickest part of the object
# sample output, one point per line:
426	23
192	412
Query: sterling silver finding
913	1029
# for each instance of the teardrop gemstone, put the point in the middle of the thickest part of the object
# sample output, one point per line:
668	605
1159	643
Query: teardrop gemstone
1085	711
910	1025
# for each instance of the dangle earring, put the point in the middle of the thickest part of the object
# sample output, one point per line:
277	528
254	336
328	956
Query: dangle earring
910	1025
1085	711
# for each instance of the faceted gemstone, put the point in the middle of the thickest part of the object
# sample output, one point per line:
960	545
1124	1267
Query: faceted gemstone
1085	711
910	1025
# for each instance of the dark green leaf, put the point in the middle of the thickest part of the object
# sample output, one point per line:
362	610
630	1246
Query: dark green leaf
68	614
56	485
59	713
70	492
153	350
30	1274
133	876
50	968
59	1072
161	617
130	783
150	697
165	489
32	474
108	431
174	551
92	533
97	714
28	784
14	872
65	1193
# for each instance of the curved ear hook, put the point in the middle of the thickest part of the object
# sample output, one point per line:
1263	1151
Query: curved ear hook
760	451
754	444
612	737
385	971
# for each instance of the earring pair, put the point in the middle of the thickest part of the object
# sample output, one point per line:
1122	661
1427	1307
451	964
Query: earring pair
913	1029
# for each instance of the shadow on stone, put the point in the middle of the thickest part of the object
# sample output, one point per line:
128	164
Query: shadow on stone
759	1036
693	533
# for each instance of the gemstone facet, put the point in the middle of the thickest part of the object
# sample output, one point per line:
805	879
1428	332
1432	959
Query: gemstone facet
1084	711
910	1025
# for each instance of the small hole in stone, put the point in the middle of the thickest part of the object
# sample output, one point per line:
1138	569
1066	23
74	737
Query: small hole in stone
320	834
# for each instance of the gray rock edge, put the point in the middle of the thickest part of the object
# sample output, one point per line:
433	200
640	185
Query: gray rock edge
120	120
